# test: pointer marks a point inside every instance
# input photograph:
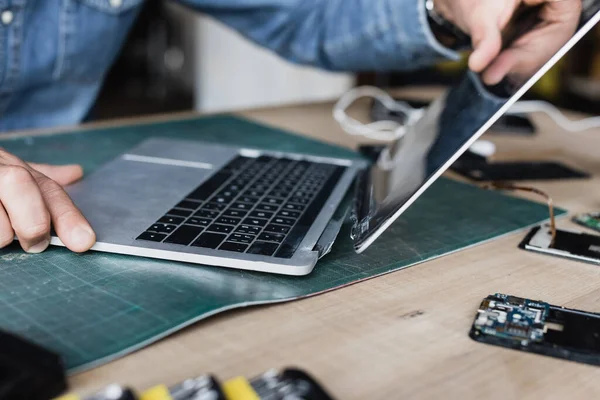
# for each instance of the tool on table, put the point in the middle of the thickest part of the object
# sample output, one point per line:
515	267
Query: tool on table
201	388
288	384
112	392
538	327
291	383
28	371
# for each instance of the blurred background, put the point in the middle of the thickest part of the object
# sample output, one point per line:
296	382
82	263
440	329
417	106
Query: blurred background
175	60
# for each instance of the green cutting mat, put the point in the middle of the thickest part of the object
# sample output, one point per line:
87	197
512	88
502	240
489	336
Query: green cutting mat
93	307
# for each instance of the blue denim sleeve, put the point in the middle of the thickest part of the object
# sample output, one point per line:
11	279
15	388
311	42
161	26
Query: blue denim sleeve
338	35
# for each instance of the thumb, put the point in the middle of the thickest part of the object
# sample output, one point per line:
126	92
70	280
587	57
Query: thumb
487	40
61	174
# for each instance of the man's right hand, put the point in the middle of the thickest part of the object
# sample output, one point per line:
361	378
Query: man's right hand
32	199
485	20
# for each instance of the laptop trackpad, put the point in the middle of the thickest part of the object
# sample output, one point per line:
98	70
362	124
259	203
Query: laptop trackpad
124	197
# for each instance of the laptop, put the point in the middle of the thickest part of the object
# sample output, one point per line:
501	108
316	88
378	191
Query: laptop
277	212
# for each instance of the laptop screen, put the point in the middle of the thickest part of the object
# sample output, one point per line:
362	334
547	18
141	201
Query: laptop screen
452	123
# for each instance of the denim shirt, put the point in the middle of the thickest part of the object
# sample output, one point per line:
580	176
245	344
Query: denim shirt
54	54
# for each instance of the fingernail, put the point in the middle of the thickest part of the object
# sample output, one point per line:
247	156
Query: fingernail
38	248
82	236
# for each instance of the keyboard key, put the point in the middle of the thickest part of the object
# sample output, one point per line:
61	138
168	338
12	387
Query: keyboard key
162	228
272	200
263	248
267	207
261	214
247	229
279	193
188	205
228	220
220	199
233	188
180	213
209	187
284	221
209	240
241	238
214	206
233	246
220	228
271	237
255	221
152	237
198	221
241	182
254	193
293	207
184	235
277	228
265	159
171	220
288	214
237	164
264	181
207	214
228	194
248	199
300	200
242	206
235	213
302	194
260	188
286	188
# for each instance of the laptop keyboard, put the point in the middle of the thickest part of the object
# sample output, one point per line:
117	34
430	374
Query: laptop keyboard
263	205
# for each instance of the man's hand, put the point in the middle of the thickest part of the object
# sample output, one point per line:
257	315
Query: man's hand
484	21
32	198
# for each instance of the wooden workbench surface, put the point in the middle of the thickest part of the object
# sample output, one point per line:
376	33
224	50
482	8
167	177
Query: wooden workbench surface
403	335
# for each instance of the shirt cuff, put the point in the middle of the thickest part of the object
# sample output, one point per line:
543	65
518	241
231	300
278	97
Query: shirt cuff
429	36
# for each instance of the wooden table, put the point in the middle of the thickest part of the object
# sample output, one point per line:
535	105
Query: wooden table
403	335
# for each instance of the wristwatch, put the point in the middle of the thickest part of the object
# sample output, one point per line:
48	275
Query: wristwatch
446	32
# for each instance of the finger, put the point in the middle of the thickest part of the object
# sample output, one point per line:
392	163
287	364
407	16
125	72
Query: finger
528	54
23	202
62	174
533	3
487	40
70	225
7	234
503	65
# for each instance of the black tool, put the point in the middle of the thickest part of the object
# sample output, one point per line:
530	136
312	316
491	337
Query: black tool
29	371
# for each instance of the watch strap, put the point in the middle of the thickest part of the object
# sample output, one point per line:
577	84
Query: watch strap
446	32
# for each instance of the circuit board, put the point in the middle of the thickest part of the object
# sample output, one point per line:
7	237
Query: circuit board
591	220
538	327
512	318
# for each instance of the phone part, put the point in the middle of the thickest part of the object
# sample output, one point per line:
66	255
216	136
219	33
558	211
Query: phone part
572	245
538	327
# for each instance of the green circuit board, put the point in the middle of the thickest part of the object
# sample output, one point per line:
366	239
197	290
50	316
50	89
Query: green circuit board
591	220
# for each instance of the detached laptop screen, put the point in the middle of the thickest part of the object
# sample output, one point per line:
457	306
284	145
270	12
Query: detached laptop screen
456	120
